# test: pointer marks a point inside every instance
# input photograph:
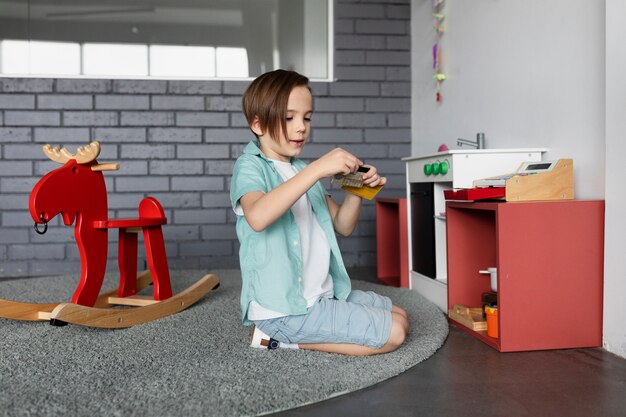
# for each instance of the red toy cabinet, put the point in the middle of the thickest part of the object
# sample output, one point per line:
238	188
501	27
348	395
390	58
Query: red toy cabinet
549	256
392	242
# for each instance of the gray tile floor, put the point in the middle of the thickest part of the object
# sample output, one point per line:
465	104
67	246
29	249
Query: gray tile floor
467	378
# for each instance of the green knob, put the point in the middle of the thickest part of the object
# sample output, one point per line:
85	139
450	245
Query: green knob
428	169
445	166
436	168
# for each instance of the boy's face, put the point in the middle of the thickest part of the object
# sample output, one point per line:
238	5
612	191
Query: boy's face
299	112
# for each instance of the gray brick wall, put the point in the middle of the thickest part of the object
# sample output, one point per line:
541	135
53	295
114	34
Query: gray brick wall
177	141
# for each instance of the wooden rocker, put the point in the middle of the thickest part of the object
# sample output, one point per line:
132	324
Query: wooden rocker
77	191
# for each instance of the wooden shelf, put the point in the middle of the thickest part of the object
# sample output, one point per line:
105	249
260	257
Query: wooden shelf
549	257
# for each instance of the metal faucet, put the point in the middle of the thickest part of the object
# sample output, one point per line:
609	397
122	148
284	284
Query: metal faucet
479	144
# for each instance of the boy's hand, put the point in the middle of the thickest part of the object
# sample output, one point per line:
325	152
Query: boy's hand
337	161
371	177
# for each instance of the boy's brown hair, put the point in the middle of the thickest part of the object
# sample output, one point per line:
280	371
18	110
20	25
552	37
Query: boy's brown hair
266	98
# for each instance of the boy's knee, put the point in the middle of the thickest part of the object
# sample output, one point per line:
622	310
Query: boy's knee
399	310
405	324
401	320
397	335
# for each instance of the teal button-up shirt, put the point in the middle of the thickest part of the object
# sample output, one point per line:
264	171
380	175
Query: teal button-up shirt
271	260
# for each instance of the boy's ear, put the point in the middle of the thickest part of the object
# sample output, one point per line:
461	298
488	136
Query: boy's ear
255	126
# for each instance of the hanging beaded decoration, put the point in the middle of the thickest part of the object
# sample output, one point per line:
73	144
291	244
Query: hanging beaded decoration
439	30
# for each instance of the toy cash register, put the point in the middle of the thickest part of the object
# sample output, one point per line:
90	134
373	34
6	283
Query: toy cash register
544	180
533	181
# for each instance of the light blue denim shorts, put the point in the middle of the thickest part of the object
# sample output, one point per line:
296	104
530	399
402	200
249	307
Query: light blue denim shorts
364	318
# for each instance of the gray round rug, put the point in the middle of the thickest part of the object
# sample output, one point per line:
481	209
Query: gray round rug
197	362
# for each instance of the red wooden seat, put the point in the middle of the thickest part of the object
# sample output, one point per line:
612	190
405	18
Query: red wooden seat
151	217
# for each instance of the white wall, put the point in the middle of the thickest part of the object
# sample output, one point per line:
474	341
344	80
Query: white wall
615	256
532	73
528	73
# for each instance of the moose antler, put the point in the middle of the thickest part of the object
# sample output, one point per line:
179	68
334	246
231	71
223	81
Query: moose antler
88	153
83	155
55	154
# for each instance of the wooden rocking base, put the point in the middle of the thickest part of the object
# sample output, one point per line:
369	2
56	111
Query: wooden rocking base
103	315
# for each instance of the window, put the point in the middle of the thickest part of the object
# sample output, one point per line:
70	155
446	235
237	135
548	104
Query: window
165	38
232	62
115	59
43	58
182	61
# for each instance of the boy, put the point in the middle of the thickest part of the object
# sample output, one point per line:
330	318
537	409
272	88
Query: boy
295	286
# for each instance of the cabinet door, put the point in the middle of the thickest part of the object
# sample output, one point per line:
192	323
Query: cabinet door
550	274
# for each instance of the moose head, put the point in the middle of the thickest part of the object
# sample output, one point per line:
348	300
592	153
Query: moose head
75	188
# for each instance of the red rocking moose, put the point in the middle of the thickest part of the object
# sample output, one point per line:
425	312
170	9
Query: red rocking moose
77	191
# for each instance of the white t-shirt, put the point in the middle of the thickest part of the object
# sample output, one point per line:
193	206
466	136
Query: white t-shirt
316	281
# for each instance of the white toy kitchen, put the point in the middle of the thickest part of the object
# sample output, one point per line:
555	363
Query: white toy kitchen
427	177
